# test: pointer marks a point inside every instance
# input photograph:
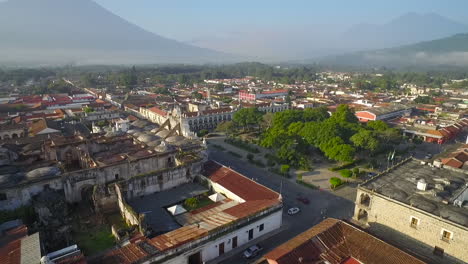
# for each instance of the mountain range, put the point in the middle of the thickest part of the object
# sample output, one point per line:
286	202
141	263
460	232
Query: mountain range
49	32
406	29
450	51
81	31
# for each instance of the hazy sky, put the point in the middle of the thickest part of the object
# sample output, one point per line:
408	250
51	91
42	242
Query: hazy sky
190	20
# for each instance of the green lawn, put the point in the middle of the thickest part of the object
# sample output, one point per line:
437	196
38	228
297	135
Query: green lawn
202	202
92	241
117	220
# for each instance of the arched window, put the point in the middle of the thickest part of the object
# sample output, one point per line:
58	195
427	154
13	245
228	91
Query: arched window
364	199
362	215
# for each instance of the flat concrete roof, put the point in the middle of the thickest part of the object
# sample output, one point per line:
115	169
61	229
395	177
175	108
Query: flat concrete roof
444	186
154	206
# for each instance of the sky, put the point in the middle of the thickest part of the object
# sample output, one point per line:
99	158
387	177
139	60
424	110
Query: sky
190	20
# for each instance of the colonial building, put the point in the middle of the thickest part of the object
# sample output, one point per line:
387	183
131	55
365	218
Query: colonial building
12	131
77	163
419	206
383	113
242	210
252	96
208	119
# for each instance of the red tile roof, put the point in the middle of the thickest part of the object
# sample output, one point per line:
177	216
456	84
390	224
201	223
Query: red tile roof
257	198
158	111
10	245
336	242
236	183
275	91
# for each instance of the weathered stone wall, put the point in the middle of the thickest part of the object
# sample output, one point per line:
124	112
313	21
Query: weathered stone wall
160	181
75	181
392	220
129	215
20	195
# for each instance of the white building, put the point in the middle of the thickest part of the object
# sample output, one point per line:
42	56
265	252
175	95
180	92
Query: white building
248	212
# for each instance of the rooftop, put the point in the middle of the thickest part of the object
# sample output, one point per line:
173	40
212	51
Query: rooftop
200	223
444	187
336	242
386	109
154	206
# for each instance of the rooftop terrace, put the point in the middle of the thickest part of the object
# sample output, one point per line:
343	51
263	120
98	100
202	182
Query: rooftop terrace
154	206
439	191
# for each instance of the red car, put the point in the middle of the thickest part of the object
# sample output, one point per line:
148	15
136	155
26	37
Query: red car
303	200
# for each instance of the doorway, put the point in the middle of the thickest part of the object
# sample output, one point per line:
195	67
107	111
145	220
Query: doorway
195	258
221	248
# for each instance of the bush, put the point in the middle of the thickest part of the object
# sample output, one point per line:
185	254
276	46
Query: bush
335	182
202	133
299	177
250	156
285	169
346	173
191	202
356	172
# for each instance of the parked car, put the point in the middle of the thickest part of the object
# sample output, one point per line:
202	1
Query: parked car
252	251
428	156
303	200
293	210
371	174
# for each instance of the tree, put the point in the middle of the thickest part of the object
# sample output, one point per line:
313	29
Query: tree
365	139
227	127
267	120
247	117
336	149
344	114
377	125
424	100
335	182
346	173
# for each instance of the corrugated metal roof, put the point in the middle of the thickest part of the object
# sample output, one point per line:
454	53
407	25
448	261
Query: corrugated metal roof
31	249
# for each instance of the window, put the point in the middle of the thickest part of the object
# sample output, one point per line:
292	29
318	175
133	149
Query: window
414	222
438	251
234	242
446	235
3	196
250	234
261	227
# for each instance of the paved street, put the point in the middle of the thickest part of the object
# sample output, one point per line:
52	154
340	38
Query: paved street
320	202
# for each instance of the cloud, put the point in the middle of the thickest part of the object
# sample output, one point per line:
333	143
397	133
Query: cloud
424	58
